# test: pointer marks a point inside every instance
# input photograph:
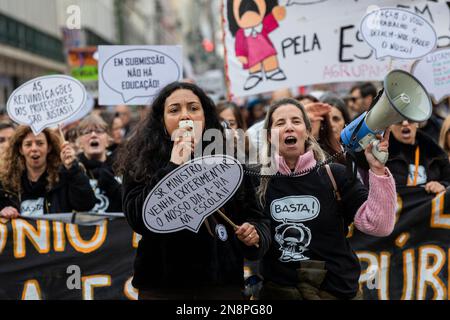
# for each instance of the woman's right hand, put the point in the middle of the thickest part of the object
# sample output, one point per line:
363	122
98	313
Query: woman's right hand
9	213
183	146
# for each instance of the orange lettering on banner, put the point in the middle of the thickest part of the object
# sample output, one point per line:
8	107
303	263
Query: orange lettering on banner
383	290
31	290
59	237
130	292
408	275
438	218
136	238
87	246
89	283
428	274
3	236
40	237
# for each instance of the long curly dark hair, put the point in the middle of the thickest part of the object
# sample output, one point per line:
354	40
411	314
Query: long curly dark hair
150	146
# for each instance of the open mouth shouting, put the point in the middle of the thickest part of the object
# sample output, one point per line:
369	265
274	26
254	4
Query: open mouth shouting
406	133
290	141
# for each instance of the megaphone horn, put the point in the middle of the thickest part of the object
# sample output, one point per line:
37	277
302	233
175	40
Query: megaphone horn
403	97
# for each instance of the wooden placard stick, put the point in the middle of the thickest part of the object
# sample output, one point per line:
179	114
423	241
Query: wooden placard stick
231	223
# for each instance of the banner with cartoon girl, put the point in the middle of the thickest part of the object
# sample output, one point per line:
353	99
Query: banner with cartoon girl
274	44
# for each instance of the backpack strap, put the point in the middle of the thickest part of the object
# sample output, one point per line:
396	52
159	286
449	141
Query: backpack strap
333	182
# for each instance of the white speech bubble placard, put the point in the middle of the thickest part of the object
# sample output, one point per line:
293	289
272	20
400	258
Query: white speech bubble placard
190	193
398	33
295	208
84	111
135	74
434	73
46	101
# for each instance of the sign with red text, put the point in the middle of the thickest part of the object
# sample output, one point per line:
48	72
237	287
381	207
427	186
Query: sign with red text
290	43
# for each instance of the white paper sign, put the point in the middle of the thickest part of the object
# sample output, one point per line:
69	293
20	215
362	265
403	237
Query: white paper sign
398	33
190	193
434	73
135	74
314	42
84	111
46	101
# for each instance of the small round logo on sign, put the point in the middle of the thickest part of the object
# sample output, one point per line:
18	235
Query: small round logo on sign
221	232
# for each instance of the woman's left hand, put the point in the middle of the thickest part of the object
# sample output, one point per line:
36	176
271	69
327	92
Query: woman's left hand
375	165
247	234
67	155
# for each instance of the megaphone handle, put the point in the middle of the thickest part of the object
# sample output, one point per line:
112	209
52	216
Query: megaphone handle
382	156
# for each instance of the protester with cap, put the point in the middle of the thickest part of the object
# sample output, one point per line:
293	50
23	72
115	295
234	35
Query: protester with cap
310	256
41	175
184	264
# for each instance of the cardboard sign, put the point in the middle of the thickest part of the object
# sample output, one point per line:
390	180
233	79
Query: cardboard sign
398	33
135	74
190	193
434	73
46	101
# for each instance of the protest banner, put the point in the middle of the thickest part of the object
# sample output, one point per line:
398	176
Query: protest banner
413	262
135	74
83	66
312	42
46	101
434	73
38	257
51	260
84	111
190	193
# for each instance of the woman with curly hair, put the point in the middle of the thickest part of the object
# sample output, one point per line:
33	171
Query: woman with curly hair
39	175
186	265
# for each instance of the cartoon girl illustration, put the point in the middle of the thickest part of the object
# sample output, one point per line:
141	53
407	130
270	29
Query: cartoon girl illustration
250	22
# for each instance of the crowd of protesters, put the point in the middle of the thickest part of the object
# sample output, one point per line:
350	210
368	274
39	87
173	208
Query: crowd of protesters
110	160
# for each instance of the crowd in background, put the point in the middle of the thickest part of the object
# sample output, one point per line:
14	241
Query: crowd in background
50	173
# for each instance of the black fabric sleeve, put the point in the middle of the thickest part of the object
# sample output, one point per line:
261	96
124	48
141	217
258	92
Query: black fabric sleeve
353	195
80	195
248	210
134	195
112	187
445	172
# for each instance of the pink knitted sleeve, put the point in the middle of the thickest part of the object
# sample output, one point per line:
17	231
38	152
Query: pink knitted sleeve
376	216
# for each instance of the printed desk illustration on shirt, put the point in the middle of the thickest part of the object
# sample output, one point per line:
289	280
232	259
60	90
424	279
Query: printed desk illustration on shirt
250	22
292	235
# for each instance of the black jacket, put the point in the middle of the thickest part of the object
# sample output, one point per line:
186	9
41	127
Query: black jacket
432	158
108	190
72	193
185	259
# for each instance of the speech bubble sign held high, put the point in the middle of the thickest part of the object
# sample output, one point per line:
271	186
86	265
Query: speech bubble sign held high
135	74
434	73
190	193
46	101
398	33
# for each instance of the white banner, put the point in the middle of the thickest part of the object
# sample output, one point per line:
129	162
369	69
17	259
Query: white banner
135	74
274	44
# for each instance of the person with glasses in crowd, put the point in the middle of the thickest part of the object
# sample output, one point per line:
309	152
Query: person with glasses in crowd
41	175
93	139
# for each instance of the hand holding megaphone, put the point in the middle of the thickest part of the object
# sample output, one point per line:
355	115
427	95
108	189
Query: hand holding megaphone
377	153
402	97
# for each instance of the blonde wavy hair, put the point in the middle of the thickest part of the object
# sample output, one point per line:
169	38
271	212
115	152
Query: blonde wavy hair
268	157
13	165
443	135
